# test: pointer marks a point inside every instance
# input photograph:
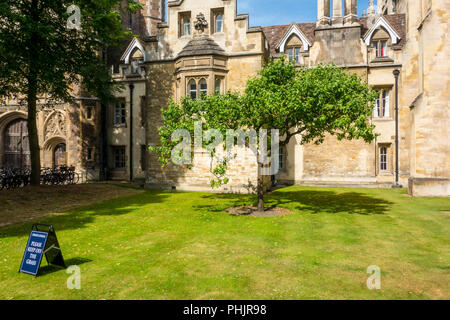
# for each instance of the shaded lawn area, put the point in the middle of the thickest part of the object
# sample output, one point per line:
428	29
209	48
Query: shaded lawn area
182	245
29	203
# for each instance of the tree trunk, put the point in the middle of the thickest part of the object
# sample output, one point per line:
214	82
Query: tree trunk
32	98
260	187
33	134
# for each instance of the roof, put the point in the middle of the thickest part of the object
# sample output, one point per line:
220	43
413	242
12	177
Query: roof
274	34
135	43
201	46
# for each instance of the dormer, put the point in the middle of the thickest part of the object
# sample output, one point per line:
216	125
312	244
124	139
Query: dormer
294	45
380	39
134	58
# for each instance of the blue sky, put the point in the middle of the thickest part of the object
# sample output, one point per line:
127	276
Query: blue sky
273	12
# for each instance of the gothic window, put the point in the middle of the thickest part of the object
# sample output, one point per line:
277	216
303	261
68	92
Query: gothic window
382	105
192	88
203	87
120	113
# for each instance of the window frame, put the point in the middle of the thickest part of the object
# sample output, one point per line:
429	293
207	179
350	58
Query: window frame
202	92
380	48
120	113
186	26
293	53
382	107
216	29
214	14
383	161
219	81
282	159
190	90
184	19
136	66
119	160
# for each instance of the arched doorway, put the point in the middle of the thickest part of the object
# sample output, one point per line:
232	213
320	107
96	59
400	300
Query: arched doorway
16	145
60	155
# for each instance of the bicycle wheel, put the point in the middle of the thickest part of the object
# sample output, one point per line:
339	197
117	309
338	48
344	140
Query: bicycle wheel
76	178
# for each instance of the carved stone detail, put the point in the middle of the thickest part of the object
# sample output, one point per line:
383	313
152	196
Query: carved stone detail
55	125
201	24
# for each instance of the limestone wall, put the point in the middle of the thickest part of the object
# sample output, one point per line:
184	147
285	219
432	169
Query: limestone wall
425	90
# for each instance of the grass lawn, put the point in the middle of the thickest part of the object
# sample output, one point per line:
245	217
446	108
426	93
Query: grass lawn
182	245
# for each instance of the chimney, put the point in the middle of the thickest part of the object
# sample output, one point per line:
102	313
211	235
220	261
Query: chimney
351	16
323	15
371	9
337	12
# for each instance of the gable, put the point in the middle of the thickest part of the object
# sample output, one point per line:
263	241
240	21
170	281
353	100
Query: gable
381	24
294	30
134	46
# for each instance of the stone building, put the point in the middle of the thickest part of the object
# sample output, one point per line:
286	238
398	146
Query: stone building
205	46
68	134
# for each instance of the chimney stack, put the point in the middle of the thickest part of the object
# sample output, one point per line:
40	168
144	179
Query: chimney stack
337	12
323	16
371	9
351	16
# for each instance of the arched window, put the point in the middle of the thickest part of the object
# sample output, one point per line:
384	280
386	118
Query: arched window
203	87
192	88
219	23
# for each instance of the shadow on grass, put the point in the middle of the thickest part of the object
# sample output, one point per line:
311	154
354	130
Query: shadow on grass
308	201
48	269
80	217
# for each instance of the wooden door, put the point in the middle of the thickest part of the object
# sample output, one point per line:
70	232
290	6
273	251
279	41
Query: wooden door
17	146
60	155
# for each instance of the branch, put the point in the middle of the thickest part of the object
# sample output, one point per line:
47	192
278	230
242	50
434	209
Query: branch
289	135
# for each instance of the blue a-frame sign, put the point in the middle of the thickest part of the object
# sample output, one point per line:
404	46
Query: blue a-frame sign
34	252
40	243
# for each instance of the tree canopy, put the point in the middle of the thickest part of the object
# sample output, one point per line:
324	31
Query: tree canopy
42	57
309	103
